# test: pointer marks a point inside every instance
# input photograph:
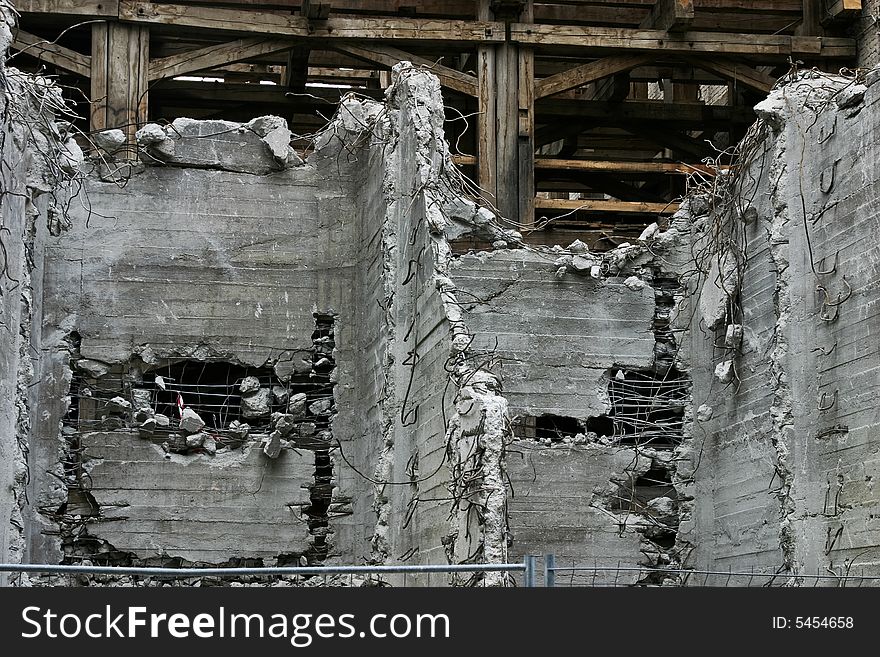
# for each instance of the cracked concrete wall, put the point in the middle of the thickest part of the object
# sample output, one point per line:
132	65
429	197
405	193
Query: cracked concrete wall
786	479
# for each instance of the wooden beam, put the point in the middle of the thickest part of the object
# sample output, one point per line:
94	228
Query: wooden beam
670	16
841	10
90	8
388	56
213	56
333	29
589	205
587	73
736	72
606	166
52	53
586	38
650	112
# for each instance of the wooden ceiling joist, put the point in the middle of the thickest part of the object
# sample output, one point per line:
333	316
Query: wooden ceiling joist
387	56
214	56
587	73
300	27
52	53
598	39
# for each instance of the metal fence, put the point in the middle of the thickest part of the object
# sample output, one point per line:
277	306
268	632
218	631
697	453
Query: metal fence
623	576
527	567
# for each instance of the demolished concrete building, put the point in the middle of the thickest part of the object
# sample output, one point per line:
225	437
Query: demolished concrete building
231	353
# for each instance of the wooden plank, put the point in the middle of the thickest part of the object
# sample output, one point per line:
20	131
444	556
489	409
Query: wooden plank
333	29
587	73
507	127
685	115
388	56
670	15
606	166
737	72
213	56
52	53
811	18
486	120
90	8
120	77
98	86
842	10
589	205
526	156
609	38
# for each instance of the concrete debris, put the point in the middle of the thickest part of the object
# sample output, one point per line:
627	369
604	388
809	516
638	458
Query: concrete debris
280	394
596	271
143	413
306	429
249	385
109	141
93	368
560	273
663	508
150	135
257	404
190	421
649	232
499	244
118	405
196	440
284	423
148	427
578	247
224	145
733	336
210	445
580	264
321	406
239	430
71	157
724	371
704	413
271	445
634	283
141	397
162	420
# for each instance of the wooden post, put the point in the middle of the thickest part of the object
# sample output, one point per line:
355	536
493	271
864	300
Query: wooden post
812	17
120	77
506	125
526	121
486	116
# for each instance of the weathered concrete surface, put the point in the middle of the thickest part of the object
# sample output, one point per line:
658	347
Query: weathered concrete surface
199	508
556	338
38	158
790	452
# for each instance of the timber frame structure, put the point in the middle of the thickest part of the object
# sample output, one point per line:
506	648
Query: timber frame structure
578	117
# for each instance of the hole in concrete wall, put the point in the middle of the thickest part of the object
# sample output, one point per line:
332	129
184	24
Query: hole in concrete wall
647	409
547	428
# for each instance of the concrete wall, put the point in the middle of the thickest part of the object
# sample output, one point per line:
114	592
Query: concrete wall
790	450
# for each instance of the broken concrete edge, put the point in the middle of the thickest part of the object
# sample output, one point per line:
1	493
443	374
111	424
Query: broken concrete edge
41	166
259	147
